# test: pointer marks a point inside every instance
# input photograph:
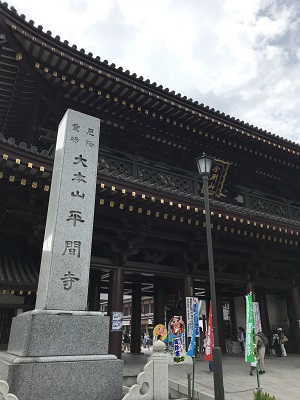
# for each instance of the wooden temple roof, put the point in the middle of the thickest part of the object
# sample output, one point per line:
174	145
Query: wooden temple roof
41	76
149	131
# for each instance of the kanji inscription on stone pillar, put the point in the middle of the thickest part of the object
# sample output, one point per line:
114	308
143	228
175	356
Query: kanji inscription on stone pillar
65	265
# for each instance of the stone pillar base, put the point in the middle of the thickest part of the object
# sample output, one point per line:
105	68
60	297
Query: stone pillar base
58	355
63	378
46	333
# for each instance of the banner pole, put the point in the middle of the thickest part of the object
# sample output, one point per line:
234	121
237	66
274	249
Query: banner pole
193	383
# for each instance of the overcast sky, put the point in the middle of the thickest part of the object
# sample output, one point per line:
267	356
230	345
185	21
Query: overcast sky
241	57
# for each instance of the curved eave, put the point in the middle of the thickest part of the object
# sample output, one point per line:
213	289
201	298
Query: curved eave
161	122
18	92
54	56
17	272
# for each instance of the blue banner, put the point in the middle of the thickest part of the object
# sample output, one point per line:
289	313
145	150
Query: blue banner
191	349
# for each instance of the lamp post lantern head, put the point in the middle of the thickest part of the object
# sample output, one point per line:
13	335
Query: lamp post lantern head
204	165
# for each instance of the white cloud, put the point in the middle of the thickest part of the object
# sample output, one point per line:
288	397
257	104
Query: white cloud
241	57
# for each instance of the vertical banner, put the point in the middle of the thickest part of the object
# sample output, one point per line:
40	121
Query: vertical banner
177	337
191	349
249	347
257	320
209	337
190	307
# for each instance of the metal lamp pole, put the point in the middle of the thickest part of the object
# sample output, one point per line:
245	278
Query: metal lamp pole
217	355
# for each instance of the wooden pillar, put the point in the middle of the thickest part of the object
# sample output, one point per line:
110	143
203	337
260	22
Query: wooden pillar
135	346
110	292
94	290
188	287
204	323
250	289
188	291
159	304
220	318
207	303
264	314
116	287
232	314
294	306
29	301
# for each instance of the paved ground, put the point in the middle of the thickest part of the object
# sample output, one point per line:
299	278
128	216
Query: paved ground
282	377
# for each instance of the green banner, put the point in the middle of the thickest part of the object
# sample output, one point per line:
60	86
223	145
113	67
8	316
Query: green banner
249	347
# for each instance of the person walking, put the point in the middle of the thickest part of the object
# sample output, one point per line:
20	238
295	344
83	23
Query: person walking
260	350
241	337
282	340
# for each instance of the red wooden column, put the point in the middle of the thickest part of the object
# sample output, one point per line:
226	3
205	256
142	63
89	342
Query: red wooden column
135	346
116	287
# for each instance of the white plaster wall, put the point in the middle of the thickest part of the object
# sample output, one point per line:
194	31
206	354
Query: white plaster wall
277	310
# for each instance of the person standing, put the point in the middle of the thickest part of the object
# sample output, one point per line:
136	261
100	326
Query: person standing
126	341
253	364
276	344
201	340
228	343
282	339
145	340
241	337
260	350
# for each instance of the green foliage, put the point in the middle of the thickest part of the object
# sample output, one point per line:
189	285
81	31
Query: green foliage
178	359
259	395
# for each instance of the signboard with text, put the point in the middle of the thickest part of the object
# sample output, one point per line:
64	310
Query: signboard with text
117	321
217	177
190	309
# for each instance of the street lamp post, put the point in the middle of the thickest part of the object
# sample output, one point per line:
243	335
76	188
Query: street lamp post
204	165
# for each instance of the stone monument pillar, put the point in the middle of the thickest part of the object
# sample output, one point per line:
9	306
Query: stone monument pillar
59	350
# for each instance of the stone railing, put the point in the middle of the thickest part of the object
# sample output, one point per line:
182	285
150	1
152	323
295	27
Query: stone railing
4	389
152	383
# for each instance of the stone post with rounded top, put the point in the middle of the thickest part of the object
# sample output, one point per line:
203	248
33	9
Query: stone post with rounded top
153	382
